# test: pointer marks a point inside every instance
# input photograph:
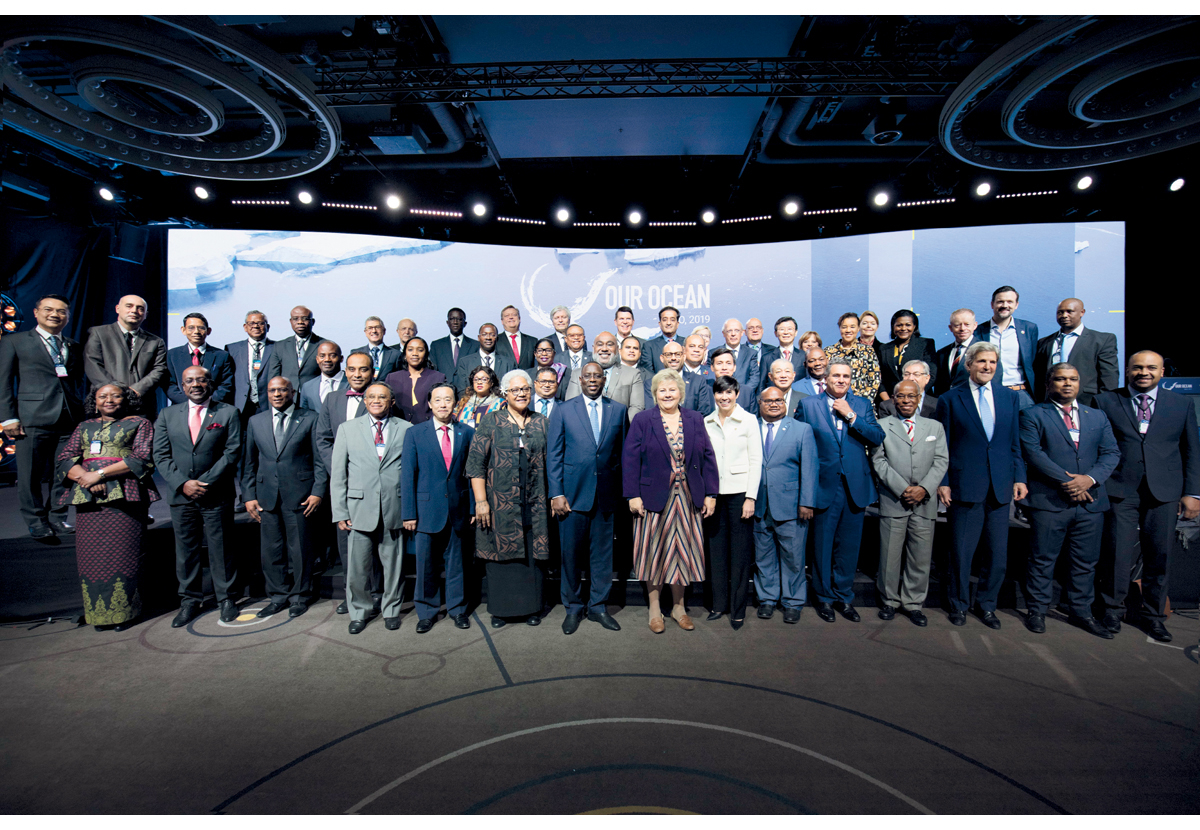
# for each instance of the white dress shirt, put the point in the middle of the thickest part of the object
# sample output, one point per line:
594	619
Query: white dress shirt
327	383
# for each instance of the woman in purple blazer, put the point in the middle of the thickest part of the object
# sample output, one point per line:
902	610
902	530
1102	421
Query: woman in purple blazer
669	475
412	383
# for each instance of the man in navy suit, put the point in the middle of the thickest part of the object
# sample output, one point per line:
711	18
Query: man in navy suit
513	342
1017	341
197	352
784	506
583	475
283	484
788	349
951	370
723	365
438	507
1092	353
444	353
816	367
1071	451
668	332
844	428
986	473
295	357
697	393
747	371
1157	481
331	379
387	359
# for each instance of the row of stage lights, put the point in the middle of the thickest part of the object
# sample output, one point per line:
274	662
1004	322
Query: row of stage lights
635	217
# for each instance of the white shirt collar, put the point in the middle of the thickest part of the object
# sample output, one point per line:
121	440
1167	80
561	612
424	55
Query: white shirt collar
332	379
1153	393
125	330
975	387
47	335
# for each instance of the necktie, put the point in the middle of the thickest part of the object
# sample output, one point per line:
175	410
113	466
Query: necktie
299	351
196	357
194	422
1144	407
908	425
608	373
446	445
957	357
253	374
575	361
1070	422
542	406
350	393
770	438
595	421
375	357
516	348
129	341
985	413
820	387
454	340
836	423
487	361
1058	349
55	344
786	354
379	432
278	430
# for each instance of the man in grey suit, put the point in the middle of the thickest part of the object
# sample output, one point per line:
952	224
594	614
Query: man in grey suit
124	352
387	359
331	379
909	466
252	363
445	352
295	357
1092	353
622	384
783	507
364	482
499	361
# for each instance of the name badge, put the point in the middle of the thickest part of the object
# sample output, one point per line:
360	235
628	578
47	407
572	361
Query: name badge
1143	427
60	370
838	423
1074	435
256	365
94	448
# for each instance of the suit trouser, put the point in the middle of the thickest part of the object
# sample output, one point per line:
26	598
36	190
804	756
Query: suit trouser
434	549
362	546
586	539
779	560
343	546
244	416
730	555
193	526
905	550
969	521
1138	518
1082	532
36	454
286	543
837	537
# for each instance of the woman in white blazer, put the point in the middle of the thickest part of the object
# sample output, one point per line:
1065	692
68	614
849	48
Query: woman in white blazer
734	435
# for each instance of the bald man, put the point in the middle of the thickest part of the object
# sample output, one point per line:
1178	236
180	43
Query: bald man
1092	353
406	330
124	352
295	357
746	369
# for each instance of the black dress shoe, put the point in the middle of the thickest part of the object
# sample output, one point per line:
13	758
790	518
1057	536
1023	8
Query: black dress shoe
765	612
571	622
918	618
342	608
713	616
533	619
375	611
229	610
423	626
62	528
357	626
1091	626
1035	622
41	530
825	612
605	619
847	611
990	619
462	621
791	616
499	622
736	625
958	618
1159	632
125	626
271	610
187	612
391	623
887	612
1112	622
297	609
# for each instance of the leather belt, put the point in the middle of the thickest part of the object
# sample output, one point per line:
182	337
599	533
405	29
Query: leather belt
1020	387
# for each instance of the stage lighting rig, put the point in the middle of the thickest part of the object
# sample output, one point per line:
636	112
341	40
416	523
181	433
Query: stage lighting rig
1177	185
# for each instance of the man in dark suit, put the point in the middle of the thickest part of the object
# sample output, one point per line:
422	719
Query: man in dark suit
624	325
695	359
196	446
124	352
723	365
1071	451
1157	481
816	370
746	368
41	387
251	371
576	353
295	357
668	332
1017	341
788	349
515	344
986	473
697	393
763	353
583	475
560	318
283	485
438	506
444	353
386	358
331	378
951	371
498	360
783	377
844	428
406	330
916	371
197	352
1092	353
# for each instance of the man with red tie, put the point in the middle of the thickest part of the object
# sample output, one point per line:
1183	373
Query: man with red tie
197	352
951	368
519	345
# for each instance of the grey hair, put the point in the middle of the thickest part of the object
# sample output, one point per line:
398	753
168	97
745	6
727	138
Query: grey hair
699	329
246	319
512	375
924	366
559	308
981	346
959	311
838	361
667	376
780	362
374	319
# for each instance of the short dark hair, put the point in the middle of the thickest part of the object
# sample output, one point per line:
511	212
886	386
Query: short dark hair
1058	367
848	315
543	370
198	316
491	373
58	297
728	383
667	308
786	319
507	307
717	352
459	310
626	309
441	385
1004	289
630	337
132	401
425	361
907	312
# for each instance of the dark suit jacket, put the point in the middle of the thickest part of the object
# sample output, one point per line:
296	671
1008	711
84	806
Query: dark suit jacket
890	366
944	380
106	359
390	359
654	346
928	407
429	493
331	416
212	459
977	464
1053	457
565	359
1167	456
526	342
1027	337
587	473
1094	355
402	386
280	479
746	371
646	460
310	392
770	355
30	389
283	360
441	354
218	363
847	457
239	353
467	361
697	394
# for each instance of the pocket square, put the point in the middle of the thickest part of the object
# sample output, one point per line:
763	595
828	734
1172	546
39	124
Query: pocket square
930	437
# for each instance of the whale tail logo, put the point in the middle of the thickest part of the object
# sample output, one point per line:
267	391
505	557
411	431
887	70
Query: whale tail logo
578	307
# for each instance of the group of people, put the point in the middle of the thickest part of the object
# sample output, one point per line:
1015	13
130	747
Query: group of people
708	464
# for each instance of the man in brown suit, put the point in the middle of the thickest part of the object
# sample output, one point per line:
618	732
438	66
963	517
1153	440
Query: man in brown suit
124	352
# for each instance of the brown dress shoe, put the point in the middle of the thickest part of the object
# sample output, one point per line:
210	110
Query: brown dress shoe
685	622
657	626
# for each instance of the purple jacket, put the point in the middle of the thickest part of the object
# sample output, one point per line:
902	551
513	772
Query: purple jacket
646	460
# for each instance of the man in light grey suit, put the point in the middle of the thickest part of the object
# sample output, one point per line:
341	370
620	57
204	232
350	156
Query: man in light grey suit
364	482
783	507
622	384
124	352
908	466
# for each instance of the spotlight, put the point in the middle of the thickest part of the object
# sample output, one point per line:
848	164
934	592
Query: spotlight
305	197
562	215
791	208
393	202
1177	185
106	194
635	217
1083	183
982	189
880	199
708	217
479	209
201	192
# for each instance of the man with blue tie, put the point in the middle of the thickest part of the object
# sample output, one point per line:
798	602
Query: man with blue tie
583	474
1092	353
1071	451
438	507
844	428
784	506
384	358
986	473
197	352
1016	341
668	332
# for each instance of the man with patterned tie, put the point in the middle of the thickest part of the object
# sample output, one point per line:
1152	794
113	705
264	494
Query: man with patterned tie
1157	482
444	353
516	345
545	391
1093	354
816	366
197	352
385	358
438	507
986	473
951	371
489	352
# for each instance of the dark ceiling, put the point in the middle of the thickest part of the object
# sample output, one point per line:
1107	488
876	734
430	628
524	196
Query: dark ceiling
674	115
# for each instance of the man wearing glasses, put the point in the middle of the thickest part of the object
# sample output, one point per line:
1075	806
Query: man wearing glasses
918	372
